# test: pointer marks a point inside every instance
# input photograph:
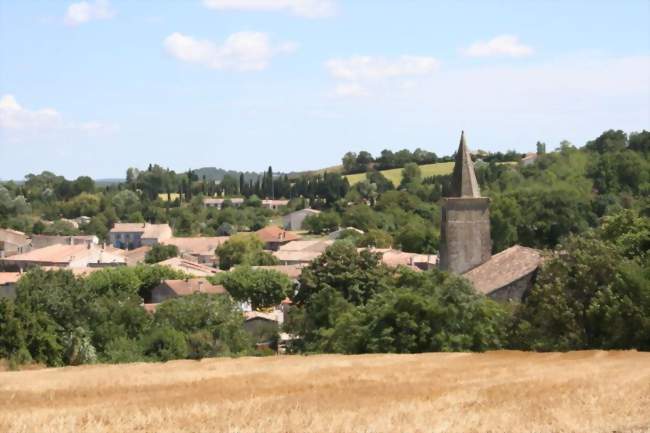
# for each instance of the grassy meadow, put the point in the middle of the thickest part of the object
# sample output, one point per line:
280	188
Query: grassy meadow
395	174
591	391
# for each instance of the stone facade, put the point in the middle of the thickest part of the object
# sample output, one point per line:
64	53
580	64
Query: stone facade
465	240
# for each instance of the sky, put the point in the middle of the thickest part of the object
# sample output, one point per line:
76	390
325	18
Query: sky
97	86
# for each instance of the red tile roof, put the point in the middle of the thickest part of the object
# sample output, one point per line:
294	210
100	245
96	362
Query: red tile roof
276	234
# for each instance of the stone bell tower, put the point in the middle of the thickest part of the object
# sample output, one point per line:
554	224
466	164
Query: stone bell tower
465	240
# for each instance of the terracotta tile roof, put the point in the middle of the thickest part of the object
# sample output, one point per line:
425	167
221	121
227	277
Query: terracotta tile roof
296	256
137	255
189	267
196	245
291	271
276	234
312	245
149	231
66	254
394	258
157	231
193	285
9	278
79	272
504	268
128	228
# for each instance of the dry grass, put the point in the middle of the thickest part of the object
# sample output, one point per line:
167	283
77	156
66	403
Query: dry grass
590	391
395	174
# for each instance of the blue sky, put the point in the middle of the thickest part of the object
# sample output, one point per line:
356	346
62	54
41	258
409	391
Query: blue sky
95	87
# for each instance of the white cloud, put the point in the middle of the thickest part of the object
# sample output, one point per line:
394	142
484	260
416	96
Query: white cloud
359	73
17	120
83	12
350	90
368	67
244	51
502	45
302	8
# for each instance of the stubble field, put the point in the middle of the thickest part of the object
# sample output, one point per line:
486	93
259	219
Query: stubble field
591	391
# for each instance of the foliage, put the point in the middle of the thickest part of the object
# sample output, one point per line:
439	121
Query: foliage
261	287
243	249
160	252
324	222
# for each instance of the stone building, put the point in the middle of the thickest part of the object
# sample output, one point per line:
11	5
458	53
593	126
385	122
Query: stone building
465	228
466	244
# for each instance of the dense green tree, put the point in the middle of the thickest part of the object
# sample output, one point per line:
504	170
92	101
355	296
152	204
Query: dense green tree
160	252
243	249
261	287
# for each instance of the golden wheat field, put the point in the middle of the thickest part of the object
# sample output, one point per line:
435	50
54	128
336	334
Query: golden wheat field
590	391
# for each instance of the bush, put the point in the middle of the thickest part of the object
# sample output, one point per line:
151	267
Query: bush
165	343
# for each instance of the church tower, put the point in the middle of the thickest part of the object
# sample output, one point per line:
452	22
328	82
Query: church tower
465	240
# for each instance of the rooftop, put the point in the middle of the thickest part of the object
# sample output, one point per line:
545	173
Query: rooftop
9	278
276	234
463	180
193	285
291	271
196	245
189	267
504	268
66	254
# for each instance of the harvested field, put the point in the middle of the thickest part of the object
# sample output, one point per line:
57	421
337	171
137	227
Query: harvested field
592	391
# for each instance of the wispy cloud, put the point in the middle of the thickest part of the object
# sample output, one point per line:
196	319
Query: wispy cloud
502	45
83	12
302	8
243	51
358	73
17	120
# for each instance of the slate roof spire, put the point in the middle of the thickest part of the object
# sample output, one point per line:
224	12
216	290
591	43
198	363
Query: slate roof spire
463	181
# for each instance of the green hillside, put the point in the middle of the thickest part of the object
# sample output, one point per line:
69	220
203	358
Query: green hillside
395	174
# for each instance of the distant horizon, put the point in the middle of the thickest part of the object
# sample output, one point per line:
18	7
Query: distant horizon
93	87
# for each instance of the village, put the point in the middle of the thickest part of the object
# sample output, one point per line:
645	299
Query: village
465	250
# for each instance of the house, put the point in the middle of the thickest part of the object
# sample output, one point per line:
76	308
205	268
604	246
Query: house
199	249
174	288
274	236
263	327
218	202
394	258
42	241
274	204
294	220
67	256
189	267
13	242
134	235
529	159
8	282
82	220
466	245
508	275
302	252
338	233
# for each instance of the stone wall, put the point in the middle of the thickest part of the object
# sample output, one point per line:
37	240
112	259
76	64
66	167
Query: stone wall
514	291
465	240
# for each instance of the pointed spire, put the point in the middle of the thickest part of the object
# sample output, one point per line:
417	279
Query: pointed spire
463	181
